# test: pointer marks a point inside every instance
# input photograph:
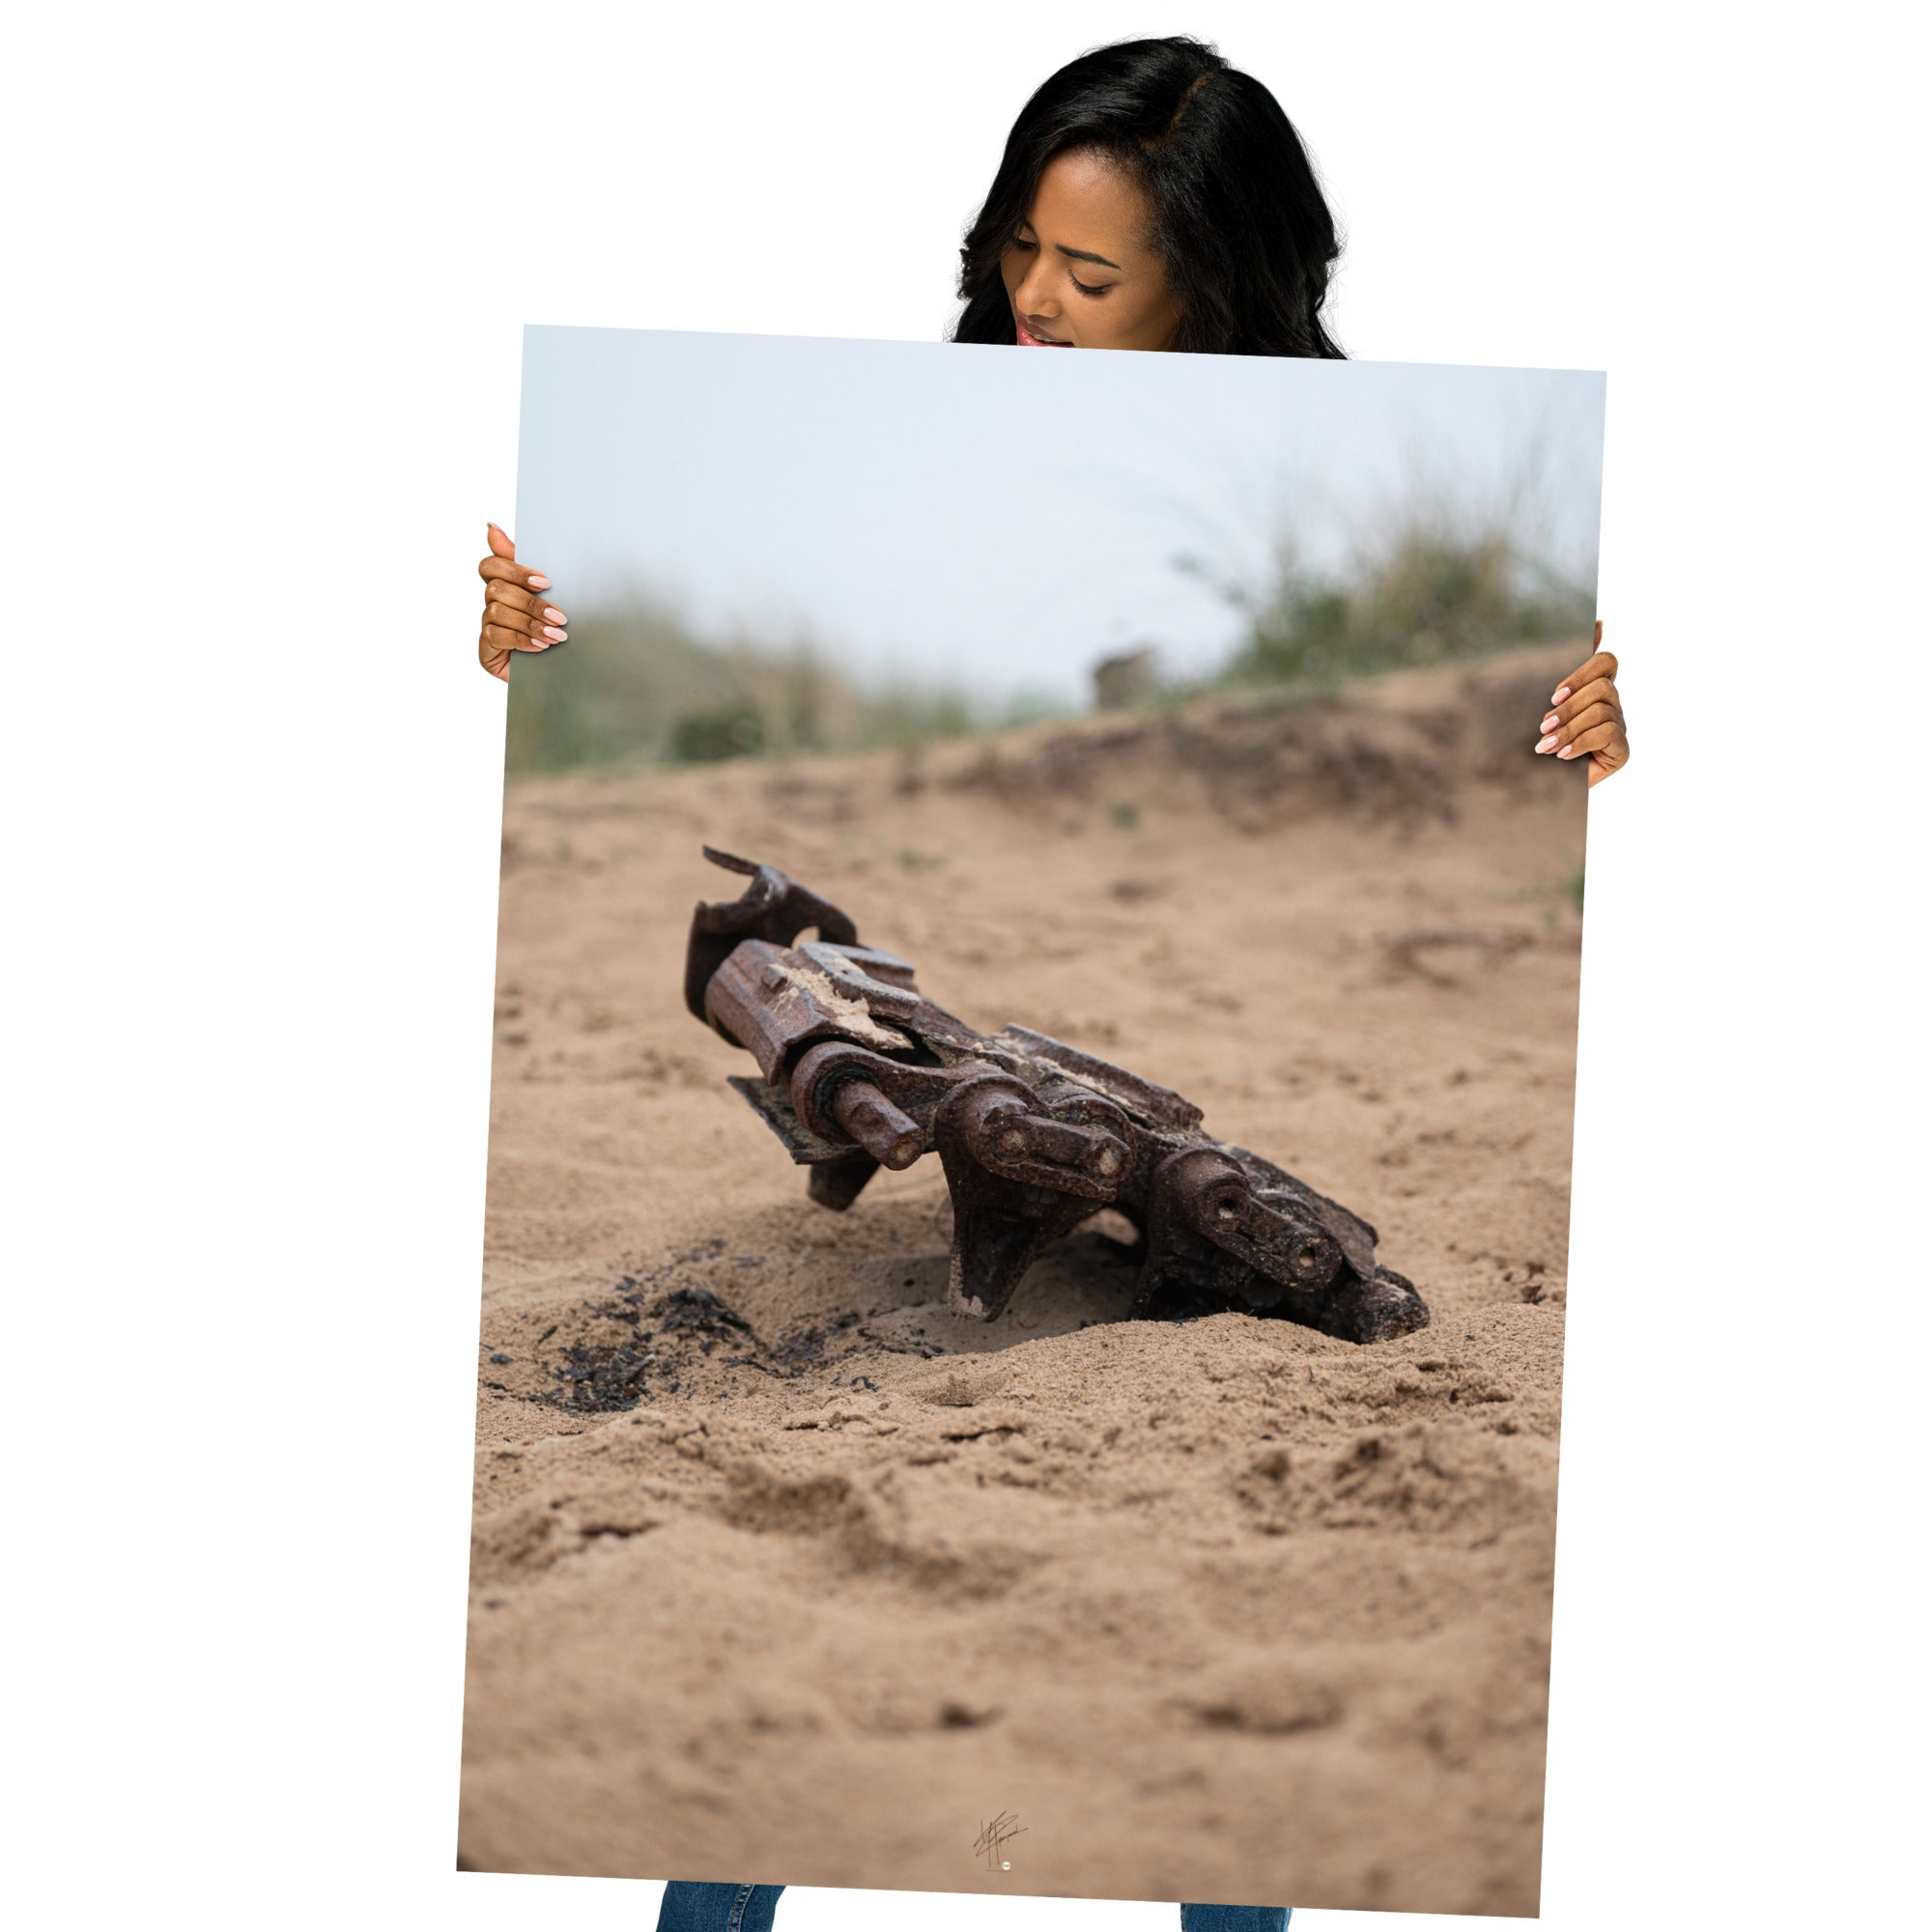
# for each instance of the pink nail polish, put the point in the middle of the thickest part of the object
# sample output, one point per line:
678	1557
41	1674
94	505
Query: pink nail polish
1544	743
1557	698
1567	752
553	616
543	583
554	634
1549	723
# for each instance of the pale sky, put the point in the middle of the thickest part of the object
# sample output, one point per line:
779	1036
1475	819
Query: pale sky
1001	519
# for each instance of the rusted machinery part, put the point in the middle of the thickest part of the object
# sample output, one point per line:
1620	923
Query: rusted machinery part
1059	1136
1206	1193
1162	1105
820	1072
1377	1310
871	1121
773	1003
862	1070
1002	1219
882	979
838	1183
773	908
1013	1131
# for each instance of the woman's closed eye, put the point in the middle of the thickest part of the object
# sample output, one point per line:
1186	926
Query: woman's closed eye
1030	247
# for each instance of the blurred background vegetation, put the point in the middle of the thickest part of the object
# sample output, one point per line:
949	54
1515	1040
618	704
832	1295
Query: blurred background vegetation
635	685
1431	586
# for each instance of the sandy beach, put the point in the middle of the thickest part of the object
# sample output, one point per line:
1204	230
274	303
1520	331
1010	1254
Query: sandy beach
781	1571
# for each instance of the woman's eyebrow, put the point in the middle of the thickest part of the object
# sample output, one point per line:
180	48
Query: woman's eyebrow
1087	255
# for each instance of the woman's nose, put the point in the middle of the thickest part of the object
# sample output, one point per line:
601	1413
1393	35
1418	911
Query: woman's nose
1036	295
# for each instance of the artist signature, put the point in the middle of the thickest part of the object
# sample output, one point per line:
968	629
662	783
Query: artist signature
995	1834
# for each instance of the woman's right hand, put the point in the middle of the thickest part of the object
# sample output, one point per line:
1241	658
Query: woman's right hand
516	615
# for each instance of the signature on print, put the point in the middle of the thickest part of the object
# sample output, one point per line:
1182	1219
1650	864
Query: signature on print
993	1835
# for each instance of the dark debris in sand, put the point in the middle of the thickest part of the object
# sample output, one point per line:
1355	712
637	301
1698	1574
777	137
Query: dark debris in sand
662	1334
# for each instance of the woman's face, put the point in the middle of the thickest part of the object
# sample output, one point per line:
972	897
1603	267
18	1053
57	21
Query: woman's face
1079	272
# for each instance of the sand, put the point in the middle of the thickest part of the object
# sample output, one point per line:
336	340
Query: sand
1217	1609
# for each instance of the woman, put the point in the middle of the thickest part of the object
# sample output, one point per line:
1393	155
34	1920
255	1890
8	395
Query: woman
1149	197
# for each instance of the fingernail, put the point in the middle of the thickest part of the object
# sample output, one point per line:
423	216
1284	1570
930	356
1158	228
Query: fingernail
1544	744
1567	752
553	616
1556	696
498	527
538	644
543	583
554	634
1549	723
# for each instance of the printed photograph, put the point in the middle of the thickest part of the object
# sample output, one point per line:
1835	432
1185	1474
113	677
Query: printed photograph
1025	1269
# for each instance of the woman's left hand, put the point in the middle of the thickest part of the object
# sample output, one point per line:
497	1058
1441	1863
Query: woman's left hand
1586	716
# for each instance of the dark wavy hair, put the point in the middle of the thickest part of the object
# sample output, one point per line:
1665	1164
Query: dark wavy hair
1240	226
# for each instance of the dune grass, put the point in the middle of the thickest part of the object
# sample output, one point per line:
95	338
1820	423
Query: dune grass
1430	588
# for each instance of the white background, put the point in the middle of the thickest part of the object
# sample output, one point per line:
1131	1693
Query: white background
268	268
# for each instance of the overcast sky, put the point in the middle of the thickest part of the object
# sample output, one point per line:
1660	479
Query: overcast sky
993	518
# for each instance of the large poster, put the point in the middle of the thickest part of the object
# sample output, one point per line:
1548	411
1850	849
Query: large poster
1021	1342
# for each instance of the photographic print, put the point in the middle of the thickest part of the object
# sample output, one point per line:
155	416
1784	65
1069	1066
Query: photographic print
1025	1269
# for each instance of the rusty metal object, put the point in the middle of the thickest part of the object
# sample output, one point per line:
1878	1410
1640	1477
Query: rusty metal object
859	1070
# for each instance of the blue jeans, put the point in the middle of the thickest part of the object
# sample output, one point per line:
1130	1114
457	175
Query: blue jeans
751	1908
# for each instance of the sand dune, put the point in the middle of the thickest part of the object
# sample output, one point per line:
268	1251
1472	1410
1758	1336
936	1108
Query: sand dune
782	1572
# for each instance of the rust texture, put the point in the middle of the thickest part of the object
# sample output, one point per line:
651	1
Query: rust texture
857	1070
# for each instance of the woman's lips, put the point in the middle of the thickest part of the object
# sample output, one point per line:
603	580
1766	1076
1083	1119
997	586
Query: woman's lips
1028	338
